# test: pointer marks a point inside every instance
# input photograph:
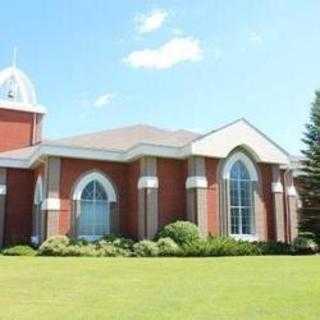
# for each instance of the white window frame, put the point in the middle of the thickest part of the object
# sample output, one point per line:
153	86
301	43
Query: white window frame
106	183
38	199
109	189
247	162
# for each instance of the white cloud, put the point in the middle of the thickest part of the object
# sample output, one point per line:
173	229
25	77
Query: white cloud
175	51
255	38
152	21
103	100
177	32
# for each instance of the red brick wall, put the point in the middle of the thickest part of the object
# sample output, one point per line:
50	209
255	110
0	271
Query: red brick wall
19	202
266	177
72	169
213	195
17	128
131	224
172	195
172	176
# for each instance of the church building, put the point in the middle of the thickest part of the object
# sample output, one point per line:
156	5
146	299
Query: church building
133	180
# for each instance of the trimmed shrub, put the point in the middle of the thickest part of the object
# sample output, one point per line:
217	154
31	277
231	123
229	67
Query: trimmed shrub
121	243
117	248
303	245
80	250
220	246
146	248
55	246
167	247
62	246
245	248
19	250
273	247
181	232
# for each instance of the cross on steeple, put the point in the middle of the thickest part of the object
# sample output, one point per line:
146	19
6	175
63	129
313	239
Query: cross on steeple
12	84
14	57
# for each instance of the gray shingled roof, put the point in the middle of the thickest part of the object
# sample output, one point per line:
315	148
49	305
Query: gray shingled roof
119	139
127	137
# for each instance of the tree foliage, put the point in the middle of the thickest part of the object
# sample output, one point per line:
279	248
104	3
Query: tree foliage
309	181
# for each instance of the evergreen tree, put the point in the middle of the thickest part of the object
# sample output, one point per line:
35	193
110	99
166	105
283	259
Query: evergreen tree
309	181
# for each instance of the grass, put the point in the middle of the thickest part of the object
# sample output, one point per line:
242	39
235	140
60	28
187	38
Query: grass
204	288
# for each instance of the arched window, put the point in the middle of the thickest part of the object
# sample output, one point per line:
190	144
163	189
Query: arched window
37	223
93	194
240	191
94	211
241	200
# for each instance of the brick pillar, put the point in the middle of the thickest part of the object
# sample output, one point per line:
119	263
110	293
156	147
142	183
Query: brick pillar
51	205
278	203
3	193
196	186
148	185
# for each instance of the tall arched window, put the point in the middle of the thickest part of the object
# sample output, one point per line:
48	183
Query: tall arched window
37	223
240	179
94	220
241	200
94	207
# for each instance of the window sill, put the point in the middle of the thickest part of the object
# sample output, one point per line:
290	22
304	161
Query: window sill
245	237
90	238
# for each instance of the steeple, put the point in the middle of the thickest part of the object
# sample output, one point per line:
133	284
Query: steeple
14	57
21	116
16	89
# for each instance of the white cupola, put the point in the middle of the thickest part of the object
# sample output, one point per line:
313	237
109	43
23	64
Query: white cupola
17	91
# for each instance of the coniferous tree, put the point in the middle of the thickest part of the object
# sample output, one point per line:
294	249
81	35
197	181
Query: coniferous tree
309	180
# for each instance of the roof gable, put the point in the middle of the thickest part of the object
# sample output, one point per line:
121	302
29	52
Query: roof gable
241	133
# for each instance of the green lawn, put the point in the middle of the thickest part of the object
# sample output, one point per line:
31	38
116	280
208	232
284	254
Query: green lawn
204	288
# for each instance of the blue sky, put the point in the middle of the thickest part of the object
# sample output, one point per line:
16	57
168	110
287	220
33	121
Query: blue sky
175	64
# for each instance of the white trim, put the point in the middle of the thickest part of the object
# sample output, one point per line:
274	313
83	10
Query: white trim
22	107
89	238
14	163
3	189
245	237
245	160
148	182
196	182
111	193
277	187
220	142
154	150
51	204
75	152
38	191
291	191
